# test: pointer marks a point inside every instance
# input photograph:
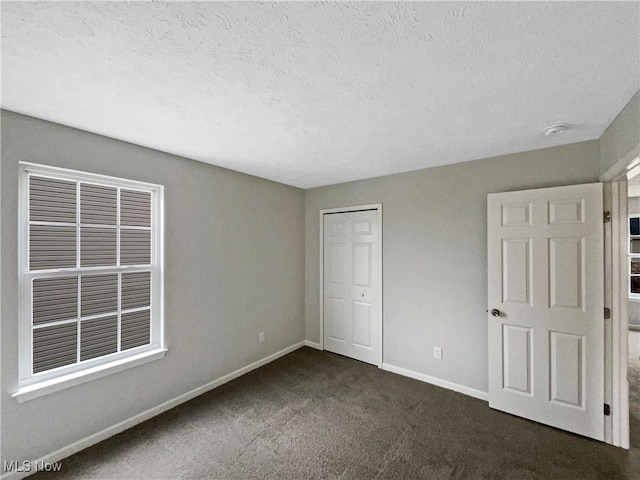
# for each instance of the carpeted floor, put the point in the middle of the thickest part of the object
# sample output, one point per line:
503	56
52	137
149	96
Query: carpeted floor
313	414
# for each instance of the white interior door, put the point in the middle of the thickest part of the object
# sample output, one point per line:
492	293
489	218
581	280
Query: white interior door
352	285
546	344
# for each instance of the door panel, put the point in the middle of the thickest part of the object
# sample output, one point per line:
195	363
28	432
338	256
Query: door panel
362	324
352	285
516	258
566	211
545	276
566	272
337	319
516	214
338	265
362	227
567	373
362	264
516	344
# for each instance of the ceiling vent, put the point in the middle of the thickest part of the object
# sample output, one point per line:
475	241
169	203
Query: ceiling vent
555	129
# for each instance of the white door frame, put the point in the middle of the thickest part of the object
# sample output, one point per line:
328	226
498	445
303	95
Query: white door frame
616	299
378	208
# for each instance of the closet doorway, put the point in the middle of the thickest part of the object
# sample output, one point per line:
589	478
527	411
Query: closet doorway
351	282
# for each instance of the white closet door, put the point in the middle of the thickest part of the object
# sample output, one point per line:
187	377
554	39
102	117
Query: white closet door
352	285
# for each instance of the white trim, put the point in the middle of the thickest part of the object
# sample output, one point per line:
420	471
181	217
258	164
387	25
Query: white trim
371	206
619	316
321	268
608	343
309	343
616	268
56	384
24	329
86	442
456	387
69	174
56	272
630	256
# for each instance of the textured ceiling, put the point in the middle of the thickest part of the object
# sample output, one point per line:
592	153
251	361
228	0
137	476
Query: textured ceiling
311	94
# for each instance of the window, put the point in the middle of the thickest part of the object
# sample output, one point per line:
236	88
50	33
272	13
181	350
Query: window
634	256
90	272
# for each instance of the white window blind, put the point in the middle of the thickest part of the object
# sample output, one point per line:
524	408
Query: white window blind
90	269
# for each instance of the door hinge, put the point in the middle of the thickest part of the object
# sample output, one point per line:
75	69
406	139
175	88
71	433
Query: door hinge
607	313
607	409
607	216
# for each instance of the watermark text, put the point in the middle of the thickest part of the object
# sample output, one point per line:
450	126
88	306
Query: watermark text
30	466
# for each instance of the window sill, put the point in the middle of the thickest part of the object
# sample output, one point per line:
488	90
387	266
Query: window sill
53	385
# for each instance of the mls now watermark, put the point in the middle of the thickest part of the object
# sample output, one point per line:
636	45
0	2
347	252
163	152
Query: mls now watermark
28	466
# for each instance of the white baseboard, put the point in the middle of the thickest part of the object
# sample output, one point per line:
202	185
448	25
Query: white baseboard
75	447
456	387
311	344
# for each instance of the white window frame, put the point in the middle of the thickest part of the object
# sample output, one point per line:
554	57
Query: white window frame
632	296
32	385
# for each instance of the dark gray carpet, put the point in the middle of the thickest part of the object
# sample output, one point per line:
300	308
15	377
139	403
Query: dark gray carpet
313	414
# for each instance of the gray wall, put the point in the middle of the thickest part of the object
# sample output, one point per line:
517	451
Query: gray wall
435	252
234	257
622	135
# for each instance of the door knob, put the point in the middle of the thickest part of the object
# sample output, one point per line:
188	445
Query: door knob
495	312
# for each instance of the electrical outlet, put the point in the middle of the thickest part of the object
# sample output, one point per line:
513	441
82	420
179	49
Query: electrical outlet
437	353
262	337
